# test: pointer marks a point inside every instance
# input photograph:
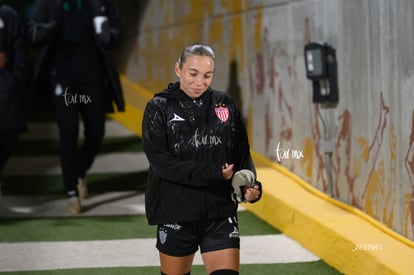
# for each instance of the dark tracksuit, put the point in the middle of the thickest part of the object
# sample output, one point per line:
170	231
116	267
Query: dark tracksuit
12	80
83	81
186	142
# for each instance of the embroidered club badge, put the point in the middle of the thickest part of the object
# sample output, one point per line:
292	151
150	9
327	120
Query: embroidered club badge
222	112
163	236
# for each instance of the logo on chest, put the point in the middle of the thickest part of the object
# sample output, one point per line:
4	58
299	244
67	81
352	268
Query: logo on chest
176	118
222	111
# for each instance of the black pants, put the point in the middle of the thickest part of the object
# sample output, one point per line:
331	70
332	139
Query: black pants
7	144
73	103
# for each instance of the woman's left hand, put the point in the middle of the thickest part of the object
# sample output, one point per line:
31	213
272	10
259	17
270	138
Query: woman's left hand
251	193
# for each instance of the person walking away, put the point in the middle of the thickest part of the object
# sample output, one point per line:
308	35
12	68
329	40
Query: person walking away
74	67
13	76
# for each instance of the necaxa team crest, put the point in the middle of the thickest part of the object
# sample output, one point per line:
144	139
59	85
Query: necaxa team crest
222	112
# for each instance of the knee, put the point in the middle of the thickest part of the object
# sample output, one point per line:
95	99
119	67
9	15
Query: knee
224	272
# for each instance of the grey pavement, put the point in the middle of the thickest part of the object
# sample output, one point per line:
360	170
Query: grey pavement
50	165
102	204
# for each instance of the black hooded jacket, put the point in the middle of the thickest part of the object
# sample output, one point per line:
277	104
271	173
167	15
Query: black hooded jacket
13	75
186	142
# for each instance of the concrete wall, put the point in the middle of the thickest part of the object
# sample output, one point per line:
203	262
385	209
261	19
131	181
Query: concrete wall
259	48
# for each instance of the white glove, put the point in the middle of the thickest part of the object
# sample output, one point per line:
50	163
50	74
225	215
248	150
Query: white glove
101	25
240	179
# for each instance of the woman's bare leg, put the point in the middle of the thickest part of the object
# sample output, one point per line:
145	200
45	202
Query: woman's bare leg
172	265
222	259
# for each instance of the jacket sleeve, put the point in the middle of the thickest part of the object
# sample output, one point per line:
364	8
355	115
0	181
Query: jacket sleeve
13	46
167	164
242	151
40	26
114	23
19	53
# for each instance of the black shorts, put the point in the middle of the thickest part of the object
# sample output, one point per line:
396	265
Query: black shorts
182	239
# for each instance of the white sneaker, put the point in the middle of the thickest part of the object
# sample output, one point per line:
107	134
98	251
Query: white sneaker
74	205
82	188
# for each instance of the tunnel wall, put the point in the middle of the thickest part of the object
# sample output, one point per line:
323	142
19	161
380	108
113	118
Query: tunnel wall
259	46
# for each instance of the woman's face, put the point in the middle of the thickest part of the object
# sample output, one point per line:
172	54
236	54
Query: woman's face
196	75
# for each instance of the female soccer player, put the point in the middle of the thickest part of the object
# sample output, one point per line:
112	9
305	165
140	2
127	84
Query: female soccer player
200	169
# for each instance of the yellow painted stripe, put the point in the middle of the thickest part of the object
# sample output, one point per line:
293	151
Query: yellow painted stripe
136	97
330	229
341	235
328	198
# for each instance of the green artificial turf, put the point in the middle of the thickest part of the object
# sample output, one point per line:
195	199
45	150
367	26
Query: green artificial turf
75	229
101	228
305	268
52	185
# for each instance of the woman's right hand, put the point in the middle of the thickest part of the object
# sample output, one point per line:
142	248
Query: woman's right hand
227	170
